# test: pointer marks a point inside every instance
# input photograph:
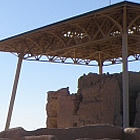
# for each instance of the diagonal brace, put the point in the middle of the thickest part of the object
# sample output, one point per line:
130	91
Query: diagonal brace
14	92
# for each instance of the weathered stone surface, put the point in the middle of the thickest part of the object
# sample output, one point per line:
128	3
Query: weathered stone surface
85	139
53	106
99	104
92	132
96	139
52	122
132	134
98	100
5	139
41	137
62	105
137	119
14	133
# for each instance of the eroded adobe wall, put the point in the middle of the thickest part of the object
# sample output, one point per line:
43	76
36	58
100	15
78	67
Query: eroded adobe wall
98	100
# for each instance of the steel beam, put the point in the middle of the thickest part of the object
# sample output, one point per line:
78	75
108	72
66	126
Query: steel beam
14	92
125	80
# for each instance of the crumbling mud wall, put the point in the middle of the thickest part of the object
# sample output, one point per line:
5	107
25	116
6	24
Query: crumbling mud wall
94	132
97	101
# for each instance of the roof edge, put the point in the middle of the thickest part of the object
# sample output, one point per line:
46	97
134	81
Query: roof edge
74	17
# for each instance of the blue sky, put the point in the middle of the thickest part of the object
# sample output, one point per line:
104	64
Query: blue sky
36	78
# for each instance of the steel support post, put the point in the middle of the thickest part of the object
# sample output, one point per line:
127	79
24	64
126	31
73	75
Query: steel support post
125	80
100	64
100	68
14	92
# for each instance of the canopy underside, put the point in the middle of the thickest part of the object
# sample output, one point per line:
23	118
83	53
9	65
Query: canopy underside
88	39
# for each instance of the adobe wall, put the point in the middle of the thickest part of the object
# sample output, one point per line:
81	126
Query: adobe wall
94	132
98	100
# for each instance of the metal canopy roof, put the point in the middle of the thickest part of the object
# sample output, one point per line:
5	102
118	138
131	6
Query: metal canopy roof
102	37
92	38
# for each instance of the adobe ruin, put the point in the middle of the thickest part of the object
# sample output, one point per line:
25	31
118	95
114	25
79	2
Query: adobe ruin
97	101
